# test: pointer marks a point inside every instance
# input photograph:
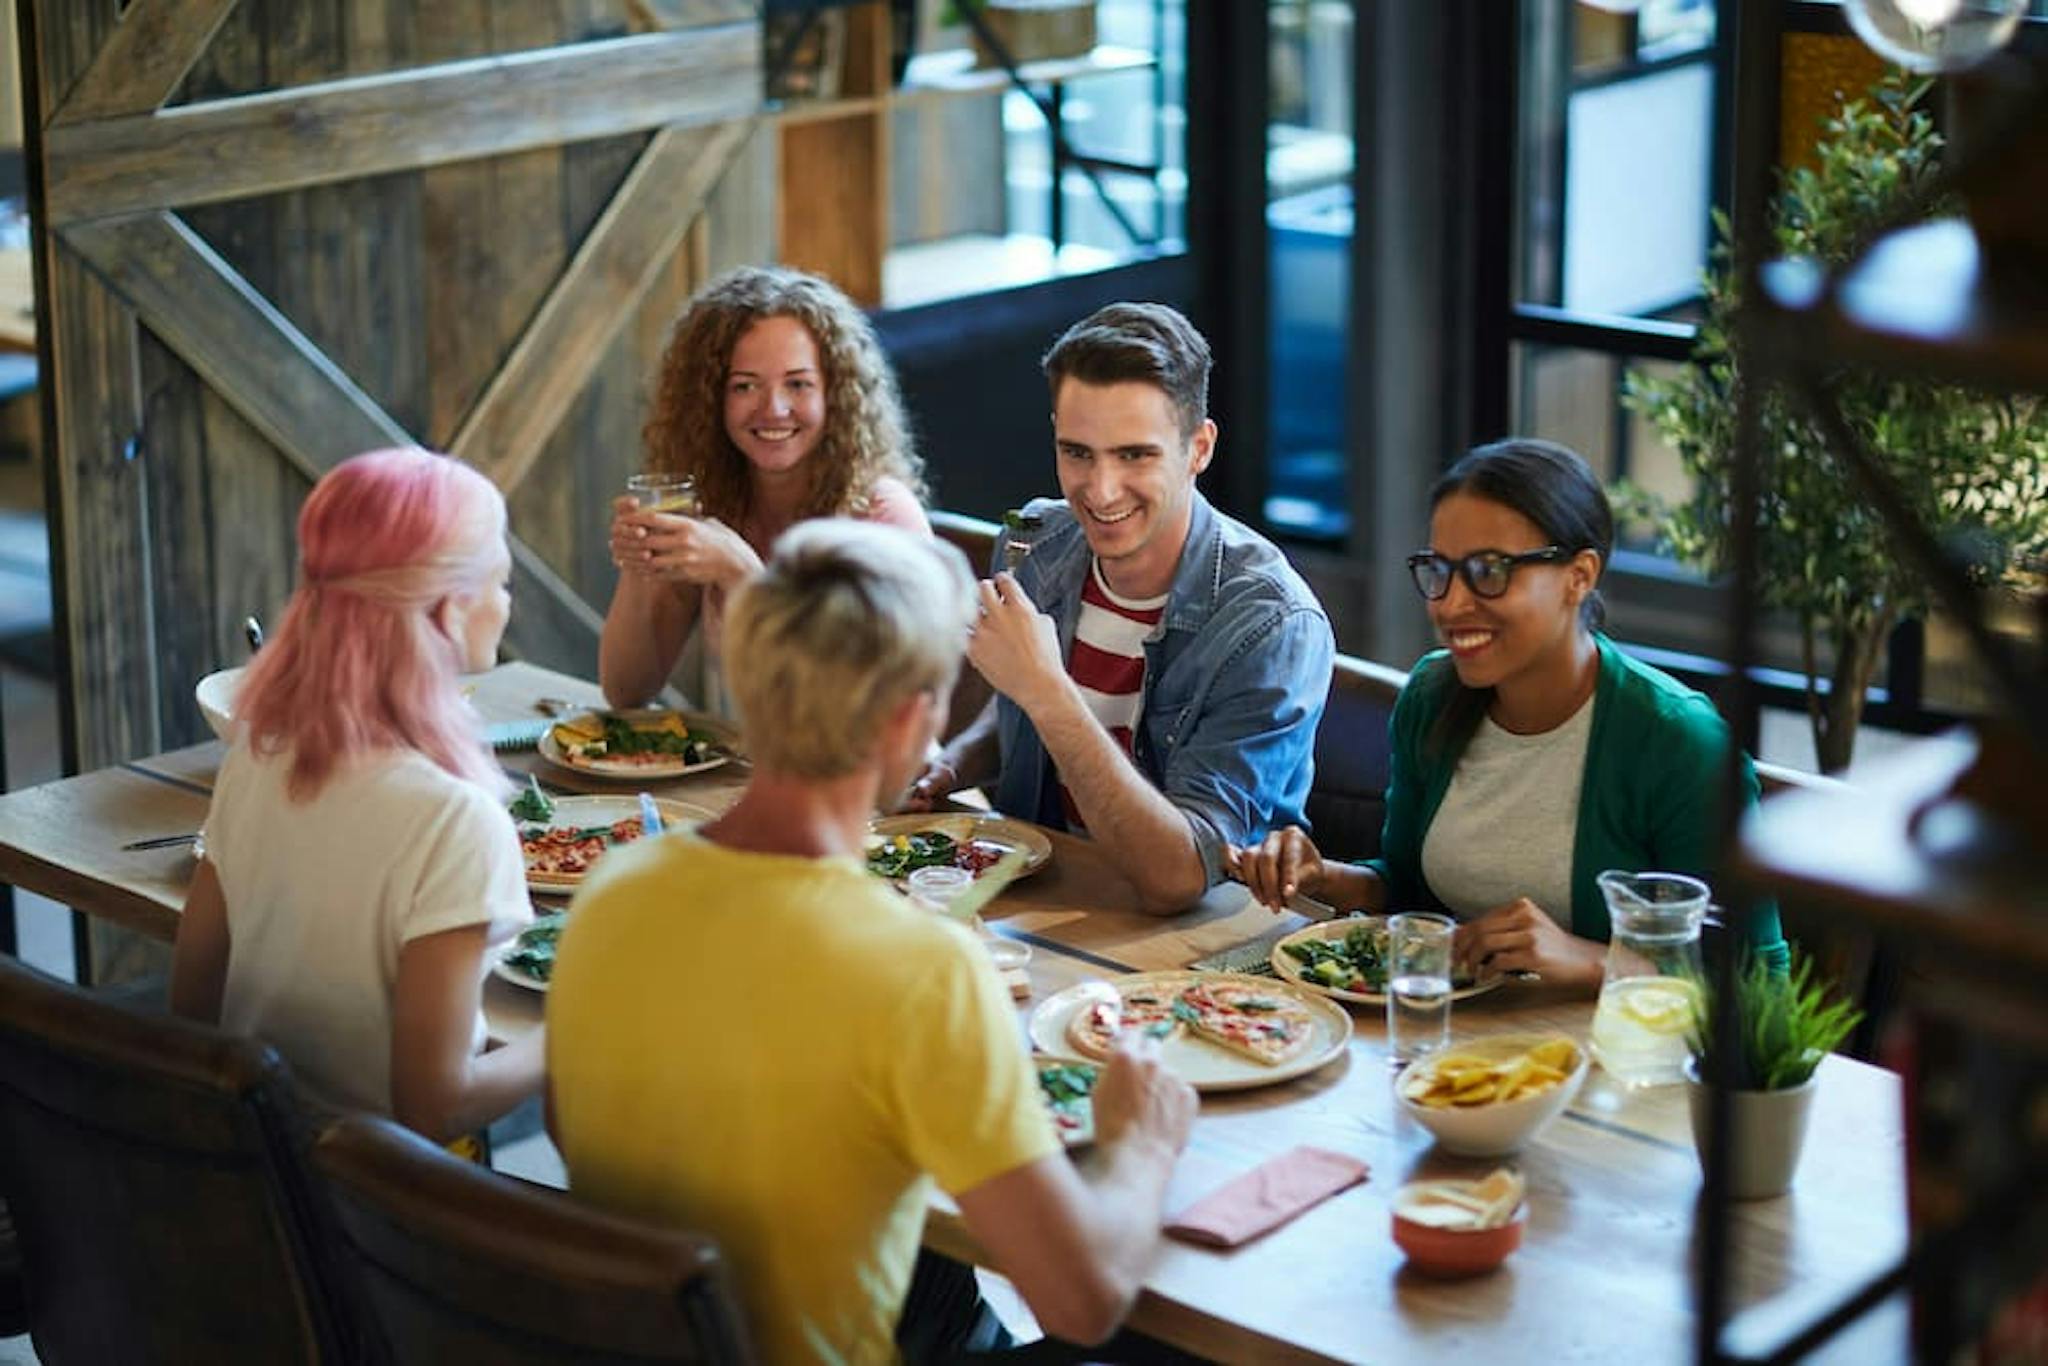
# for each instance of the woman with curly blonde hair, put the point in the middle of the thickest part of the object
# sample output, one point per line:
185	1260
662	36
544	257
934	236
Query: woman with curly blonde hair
775	398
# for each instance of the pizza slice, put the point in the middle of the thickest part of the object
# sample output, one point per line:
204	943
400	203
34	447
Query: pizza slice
1094	1027
1258	1022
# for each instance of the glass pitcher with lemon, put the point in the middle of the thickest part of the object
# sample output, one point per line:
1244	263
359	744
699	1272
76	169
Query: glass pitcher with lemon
1650	993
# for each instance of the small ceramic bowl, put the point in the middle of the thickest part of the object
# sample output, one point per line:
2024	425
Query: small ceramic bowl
1452	1252
1499	1127
216	696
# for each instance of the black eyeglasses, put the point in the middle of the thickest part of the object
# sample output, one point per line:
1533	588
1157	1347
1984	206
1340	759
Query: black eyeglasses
1486	572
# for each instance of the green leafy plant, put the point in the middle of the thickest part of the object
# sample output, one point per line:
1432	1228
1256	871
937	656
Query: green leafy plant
1787	1023
1974	466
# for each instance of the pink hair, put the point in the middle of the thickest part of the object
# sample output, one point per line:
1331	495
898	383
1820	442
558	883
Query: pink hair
358	663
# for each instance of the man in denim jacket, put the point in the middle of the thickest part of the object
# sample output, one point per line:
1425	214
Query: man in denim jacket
1186	721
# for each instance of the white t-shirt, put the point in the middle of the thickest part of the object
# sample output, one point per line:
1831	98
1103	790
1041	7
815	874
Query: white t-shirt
1509	820
322	894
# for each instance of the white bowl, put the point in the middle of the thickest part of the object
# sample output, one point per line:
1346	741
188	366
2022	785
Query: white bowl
1499	1127
216	694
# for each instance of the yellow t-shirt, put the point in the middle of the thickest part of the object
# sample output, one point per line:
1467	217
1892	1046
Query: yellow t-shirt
782	1052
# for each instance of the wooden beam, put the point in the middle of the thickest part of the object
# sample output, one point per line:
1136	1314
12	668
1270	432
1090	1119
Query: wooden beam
399	121
650	16
145	57
280	382
635	237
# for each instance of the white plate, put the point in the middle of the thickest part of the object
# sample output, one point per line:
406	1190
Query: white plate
1290	968
515	976
582	813
621	770
1082	1134
1206	1066
962	826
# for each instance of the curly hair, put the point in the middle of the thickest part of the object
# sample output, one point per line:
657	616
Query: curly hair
865	435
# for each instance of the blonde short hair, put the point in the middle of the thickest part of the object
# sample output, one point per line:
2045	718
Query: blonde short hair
846	621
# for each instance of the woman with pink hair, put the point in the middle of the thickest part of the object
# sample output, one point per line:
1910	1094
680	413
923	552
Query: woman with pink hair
360	862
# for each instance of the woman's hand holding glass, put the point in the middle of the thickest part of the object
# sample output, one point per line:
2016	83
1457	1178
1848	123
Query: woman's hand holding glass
674	548
1521	937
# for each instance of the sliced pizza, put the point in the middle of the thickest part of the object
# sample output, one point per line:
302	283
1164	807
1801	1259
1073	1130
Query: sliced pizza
1264	1025
558	853
1095	1026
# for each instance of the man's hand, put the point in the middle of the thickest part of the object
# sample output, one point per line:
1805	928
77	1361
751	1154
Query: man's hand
671	548
1521	937
939	781
1137	1097
1285	862
1015	646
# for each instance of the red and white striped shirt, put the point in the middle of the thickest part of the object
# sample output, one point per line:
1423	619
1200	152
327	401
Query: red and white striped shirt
1108	663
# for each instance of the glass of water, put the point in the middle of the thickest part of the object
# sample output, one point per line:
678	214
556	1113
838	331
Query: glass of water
676	493
1418	985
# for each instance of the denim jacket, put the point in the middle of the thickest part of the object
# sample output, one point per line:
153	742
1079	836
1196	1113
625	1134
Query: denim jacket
1234	682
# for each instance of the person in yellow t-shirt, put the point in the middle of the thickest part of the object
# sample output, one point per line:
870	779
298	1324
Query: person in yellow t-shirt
751	1036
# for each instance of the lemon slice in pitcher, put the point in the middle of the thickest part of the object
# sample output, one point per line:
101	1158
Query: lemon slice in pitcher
1660	1007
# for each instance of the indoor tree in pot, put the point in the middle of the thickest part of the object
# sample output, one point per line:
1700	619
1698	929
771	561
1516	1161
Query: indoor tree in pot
1974	466
1786	1022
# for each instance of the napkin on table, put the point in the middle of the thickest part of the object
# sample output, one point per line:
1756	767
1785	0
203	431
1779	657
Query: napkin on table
1267	1196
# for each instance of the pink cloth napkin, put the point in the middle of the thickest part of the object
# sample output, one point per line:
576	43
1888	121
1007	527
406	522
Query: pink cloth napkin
1267	1196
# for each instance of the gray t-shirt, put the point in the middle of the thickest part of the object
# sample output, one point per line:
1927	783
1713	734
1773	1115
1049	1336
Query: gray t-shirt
1509	819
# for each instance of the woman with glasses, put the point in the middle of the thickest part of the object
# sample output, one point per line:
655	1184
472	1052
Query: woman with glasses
1530	754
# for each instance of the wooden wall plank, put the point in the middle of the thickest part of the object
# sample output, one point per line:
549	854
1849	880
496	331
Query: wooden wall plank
292	394
835	227
368	125
145	58
102	557
637	234
64	39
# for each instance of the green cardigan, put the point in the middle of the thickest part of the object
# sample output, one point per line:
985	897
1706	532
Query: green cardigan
1649	799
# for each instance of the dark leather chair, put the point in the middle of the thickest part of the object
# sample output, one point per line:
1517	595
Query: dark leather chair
976	539
1348	804
457	1263
149	1165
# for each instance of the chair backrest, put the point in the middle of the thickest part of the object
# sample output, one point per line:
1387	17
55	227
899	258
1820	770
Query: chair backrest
976	540
150	1167
1348	804
457	1263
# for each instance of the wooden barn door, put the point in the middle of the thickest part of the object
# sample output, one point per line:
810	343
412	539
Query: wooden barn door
274	233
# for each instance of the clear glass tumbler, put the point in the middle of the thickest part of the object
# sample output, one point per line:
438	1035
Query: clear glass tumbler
676	493
936	889
1418	985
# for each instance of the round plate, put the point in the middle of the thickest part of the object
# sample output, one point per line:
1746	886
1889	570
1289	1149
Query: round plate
1289	967
583	813
1206	1066
1081	1133
516	976
962	826
624	771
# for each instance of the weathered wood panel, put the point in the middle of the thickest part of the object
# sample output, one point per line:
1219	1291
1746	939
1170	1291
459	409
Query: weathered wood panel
636	235
370	125
145	58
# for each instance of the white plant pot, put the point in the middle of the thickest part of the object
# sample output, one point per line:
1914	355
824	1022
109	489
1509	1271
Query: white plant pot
1768	1129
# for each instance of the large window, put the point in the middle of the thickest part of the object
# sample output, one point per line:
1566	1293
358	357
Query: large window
1309	230
1081	168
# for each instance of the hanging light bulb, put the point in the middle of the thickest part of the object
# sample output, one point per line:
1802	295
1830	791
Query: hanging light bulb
1935	35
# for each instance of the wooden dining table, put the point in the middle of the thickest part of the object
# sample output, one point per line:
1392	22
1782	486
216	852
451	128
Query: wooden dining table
1606	1268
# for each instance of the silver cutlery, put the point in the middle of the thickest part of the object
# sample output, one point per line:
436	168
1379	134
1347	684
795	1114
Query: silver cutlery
161	842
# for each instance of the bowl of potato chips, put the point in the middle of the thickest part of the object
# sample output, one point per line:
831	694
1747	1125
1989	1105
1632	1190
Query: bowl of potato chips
1486	1097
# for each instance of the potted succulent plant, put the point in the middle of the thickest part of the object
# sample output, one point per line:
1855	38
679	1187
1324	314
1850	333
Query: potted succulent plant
1786	1024
1973	465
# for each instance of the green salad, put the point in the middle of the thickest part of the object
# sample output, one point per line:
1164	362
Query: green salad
533	805
1068	1089
1356	962
902	855
624	738
533	952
